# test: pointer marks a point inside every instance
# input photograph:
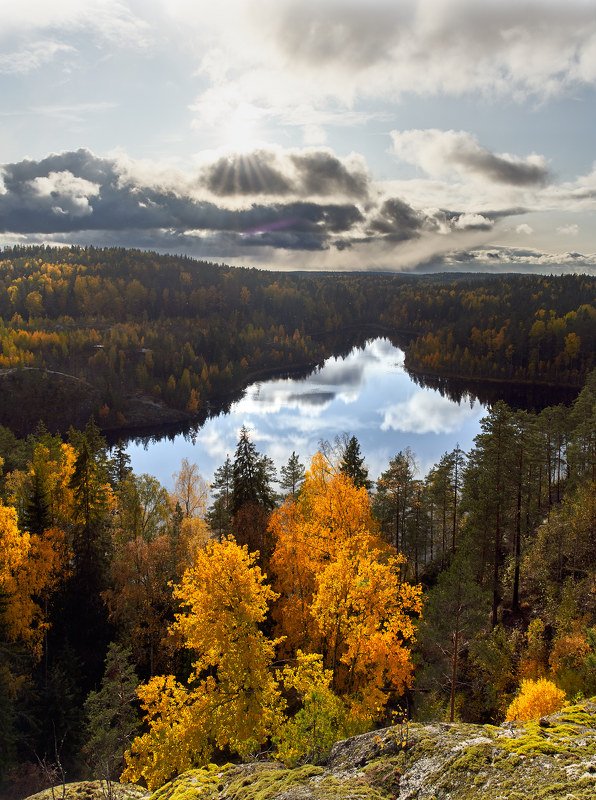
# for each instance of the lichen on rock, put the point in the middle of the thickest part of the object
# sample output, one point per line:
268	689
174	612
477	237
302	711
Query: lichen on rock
551	758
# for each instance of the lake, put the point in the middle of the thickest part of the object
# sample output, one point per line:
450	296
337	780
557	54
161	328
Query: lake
368	394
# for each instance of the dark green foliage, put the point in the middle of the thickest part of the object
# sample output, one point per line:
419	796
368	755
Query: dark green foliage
292	475
253	497
456	609
252	475
352	464
112	717
119	466
37	512
219	515
392	502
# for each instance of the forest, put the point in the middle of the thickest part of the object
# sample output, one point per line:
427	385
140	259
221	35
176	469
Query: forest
139	339
143	631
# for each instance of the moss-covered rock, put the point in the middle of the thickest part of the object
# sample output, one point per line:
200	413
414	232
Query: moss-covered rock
552	758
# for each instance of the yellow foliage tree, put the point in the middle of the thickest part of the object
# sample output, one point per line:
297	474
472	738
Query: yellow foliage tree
340	590
231	698
535	699
322	719
30	568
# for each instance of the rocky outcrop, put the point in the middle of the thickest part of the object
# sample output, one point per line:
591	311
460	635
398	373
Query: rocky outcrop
552	758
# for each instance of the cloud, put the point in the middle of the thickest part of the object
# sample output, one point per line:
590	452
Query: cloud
78	191
568	230
35	55
272	207
426	412
303	173
446	152
110	20
478	222
71	194
501	259
524	229
397	220
293	61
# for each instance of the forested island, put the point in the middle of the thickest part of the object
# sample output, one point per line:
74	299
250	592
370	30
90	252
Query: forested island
145	633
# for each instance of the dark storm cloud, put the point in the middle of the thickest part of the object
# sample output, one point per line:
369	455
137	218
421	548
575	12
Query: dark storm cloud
304	174
322	173
397	220
239	174
78	191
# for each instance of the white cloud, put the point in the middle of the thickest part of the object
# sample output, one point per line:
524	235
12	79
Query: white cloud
524	229
470	221
31	57
70	192
34	33
110	19
526	257
441	153
317	55
568	230
427	412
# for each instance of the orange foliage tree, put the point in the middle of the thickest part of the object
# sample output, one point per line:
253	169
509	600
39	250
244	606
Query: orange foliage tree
340	590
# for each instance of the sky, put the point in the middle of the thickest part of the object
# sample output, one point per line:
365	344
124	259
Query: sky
419	135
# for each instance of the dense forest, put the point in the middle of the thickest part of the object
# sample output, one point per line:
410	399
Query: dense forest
144	631
148	631
137	338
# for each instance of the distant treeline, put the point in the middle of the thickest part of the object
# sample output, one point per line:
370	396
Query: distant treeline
188	333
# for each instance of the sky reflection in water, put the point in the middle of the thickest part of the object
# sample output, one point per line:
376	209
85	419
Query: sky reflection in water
368	394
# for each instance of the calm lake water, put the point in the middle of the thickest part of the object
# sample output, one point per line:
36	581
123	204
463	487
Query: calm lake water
368	394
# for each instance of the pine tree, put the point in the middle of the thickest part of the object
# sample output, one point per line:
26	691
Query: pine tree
37	512
119	467
393	500
252	497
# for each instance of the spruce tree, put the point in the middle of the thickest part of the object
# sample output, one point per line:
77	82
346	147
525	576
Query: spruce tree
219	514
455	610
252	497
252	475
292	475
352	464
112	720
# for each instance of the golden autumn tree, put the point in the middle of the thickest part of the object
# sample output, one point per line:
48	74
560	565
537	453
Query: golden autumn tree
340	590
231	699
31	566
535	700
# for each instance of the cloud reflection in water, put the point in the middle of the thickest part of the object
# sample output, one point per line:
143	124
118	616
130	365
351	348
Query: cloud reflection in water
368	394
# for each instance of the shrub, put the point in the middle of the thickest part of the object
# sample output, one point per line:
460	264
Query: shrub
535	699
